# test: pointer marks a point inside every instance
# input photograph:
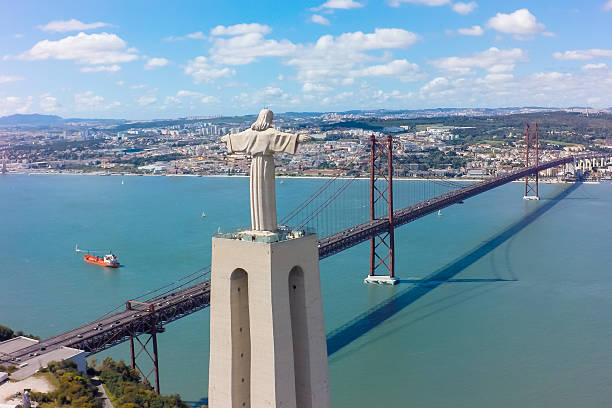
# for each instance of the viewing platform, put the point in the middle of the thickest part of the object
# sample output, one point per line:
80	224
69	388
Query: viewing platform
283	233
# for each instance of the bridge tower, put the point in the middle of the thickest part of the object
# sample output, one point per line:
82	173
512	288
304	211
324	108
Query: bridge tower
532	158
382	246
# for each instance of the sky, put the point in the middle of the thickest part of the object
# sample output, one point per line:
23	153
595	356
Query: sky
160	59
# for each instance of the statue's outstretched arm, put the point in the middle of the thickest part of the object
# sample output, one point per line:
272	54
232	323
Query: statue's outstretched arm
237	142
301	136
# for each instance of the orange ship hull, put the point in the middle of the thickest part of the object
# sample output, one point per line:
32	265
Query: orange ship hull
99	261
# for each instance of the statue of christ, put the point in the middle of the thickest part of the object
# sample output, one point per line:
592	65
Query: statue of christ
261	141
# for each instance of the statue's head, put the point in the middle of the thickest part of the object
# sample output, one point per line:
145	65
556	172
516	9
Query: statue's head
264	120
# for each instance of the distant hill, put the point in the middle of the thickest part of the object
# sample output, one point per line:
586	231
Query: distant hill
30	120
38	120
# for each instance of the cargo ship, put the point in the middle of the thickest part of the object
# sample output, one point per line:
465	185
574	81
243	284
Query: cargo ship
109	260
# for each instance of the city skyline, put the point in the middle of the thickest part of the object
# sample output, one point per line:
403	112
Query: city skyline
143	61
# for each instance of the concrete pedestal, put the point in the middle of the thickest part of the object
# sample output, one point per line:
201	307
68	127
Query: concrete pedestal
267	336
381	280
531	198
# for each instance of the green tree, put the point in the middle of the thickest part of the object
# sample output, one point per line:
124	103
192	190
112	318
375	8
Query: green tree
74	390
5	333
128	391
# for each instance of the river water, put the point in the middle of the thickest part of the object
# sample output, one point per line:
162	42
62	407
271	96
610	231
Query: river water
502	302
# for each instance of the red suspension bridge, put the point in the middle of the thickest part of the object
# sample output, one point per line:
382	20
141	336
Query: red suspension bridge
149	313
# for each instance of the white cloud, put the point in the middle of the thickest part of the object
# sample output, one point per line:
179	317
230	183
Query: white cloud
146	100
246	48
381	38
10	105
63	26
48	103
202	71
101	68
521	22
245	44
153	63
464	8
551	77
330	58
492	60
192	96
400	69
540	89
84	48
608	5
207	99
397	3
495	78
316	18
88	100
4	79
171	100
473	31
337	59
440	88
381	96
309	87
436	83
17	36
458	7
272	91
338	4
198	35
266	96
120	83
240	29
594	66
582	54
189	94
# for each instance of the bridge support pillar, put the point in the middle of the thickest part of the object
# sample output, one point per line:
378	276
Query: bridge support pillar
133	356
155	360
267	335
532	143
154	356
154	329
382	246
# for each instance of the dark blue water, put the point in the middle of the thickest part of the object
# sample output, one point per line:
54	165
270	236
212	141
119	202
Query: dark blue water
502	302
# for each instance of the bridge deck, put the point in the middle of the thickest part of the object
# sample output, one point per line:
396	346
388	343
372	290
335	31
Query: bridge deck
359	233
104	333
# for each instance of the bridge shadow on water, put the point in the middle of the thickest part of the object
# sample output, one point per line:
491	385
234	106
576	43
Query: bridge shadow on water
375	316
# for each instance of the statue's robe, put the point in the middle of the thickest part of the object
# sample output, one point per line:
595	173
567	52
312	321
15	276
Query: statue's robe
262	145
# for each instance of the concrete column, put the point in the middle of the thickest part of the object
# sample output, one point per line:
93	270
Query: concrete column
279	359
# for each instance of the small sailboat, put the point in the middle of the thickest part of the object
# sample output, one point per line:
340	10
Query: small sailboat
203	214
122	182
439	213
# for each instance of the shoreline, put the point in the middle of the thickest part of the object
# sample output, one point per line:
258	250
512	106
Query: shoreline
397	178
